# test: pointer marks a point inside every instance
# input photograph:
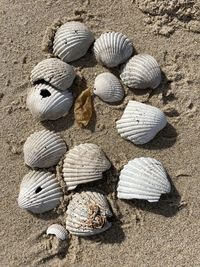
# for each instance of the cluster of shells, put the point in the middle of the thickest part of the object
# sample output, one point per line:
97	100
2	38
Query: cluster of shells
51	97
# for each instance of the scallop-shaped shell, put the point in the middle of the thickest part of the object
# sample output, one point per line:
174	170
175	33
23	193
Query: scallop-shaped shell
140	122
112	49
55	72
143	178
88	213
141	72
83	164
58	230
47	103
43	149
39	192
108	87
72	41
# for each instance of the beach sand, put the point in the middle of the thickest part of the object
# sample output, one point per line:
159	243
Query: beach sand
161	234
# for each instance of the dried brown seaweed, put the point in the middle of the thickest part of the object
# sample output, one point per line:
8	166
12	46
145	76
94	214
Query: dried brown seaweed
83	108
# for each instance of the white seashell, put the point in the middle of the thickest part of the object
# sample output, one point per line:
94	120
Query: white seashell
141	72
72	41
143	178
47	103
112	49
58	230
83	164
55	72
88	213
140	122
108	87
39	192
43	149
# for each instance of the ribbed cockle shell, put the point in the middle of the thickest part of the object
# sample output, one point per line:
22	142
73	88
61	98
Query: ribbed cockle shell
83	164
55	72
141	72
43	149
72	41
112	49
88	214
47	103
140	122
143	178
39	192
108	87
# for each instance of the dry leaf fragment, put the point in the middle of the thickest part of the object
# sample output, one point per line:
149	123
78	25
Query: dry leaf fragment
83	108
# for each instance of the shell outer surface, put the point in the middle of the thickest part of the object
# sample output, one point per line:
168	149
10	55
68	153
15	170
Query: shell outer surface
140	122
55	72
143	178
88	213
58	230
39	192
112	49
72	41
108	87
141	72
47	103
83	164
43	149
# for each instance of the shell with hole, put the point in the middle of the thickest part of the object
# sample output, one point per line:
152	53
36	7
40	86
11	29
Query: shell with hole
141	72
39	192
112	49
140	122
83	164
47	103
58	230
88	214
43	149
143	178
55	72
108	87
72	41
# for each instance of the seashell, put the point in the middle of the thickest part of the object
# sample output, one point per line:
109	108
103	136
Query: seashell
72	41
83	164
88	213
43	149
140	122
141	72
39	192
47	103
143	178
108	87
58	230
112	49
55	72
